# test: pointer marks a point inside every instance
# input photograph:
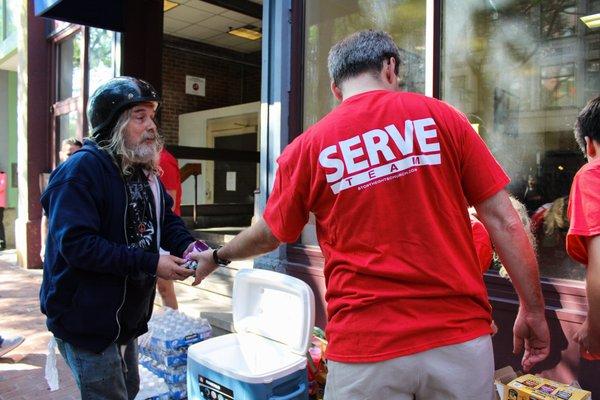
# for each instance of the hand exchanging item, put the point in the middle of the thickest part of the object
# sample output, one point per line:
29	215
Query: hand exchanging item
169	267
206	264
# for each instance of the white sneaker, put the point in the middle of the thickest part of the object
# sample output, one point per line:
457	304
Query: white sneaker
9	344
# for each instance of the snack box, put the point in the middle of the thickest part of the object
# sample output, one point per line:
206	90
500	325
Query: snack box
531	387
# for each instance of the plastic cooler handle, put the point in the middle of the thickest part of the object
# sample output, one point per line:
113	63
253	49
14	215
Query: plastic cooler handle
301	389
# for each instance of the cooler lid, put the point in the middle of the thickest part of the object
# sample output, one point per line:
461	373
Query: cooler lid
275	306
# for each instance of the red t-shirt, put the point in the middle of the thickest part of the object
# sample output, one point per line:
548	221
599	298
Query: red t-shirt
170	177
388	176
583	211
483	244
584	215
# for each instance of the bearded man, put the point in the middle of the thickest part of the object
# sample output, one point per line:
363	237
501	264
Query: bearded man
108	216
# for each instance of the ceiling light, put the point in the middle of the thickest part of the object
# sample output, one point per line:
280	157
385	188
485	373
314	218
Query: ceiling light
247	32
169	5
591	21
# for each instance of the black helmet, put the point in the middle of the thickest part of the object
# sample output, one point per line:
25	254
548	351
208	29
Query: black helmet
112	98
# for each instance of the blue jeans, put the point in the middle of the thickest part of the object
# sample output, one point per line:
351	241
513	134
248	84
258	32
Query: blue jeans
104	376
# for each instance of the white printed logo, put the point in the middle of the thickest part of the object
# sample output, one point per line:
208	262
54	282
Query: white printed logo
343	157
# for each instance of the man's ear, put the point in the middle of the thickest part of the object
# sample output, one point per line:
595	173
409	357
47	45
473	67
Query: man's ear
591	149
337	92
389	71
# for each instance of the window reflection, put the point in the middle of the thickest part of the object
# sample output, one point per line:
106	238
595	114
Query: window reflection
559	18
521	71
69	68
102	57
67	126
329	21
558	85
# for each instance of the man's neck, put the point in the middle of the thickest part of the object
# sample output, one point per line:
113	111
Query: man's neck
362	84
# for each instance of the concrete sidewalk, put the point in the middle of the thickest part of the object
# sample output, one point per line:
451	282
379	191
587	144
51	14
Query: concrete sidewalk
22	370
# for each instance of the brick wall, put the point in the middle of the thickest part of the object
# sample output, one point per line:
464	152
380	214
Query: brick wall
227	82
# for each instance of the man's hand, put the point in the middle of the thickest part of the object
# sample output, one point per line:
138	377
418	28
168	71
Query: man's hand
588	340
206	265
531	332
169	268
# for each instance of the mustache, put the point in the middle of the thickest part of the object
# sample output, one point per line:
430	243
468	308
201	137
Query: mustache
148	135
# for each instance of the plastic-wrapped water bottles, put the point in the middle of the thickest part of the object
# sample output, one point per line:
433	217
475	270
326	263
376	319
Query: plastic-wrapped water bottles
168	373
164	348
172	330
152	387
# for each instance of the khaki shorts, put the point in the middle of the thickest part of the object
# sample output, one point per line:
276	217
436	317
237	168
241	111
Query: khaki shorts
462	371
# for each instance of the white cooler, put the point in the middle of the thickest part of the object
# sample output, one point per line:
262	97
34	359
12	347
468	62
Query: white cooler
273	317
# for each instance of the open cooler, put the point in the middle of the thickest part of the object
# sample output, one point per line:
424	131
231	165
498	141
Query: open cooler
273	318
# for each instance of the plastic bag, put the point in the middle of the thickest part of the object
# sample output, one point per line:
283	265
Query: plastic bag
51	372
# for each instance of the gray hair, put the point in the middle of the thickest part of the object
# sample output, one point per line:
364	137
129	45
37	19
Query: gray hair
123	156
363	51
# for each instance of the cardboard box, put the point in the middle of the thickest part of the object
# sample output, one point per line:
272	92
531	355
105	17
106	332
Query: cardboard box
503	377
531	387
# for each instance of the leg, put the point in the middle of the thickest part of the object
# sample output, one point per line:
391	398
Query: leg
463	371
98	376
166	289
132	375
394	379
2	233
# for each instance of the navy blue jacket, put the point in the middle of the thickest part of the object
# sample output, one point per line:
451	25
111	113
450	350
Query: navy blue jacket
95	288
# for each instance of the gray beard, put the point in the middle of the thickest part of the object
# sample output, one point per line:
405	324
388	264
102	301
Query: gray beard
142	154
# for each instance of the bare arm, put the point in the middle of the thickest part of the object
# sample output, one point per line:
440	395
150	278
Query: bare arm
251	242
588	336
44	235
512	245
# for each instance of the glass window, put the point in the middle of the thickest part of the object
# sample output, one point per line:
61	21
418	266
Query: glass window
67	126
69	67
559	19
3	12
102	57
328	21
558	85
522	71
7	17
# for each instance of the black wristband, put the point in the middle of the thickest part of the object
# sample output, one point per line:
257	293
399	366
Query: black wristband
219	261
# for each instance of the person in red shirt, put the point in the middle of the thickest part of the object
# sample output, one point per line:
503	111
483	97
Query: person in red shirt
483	243
583	238
389	176
483	248
3	190
171	180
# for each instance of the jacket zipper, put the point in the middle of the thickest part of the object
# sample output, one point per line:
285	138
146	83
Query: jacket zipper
162	215
125	283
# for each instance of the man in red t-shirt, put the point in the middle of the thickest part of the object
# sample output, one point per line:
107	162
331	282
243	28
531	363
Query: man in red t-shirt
3	191
388	176
583	238
171	180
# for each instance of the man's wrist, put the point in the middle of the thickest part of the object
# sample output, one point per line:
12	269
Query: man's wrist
533	310
220	262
